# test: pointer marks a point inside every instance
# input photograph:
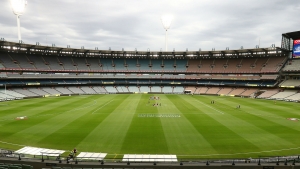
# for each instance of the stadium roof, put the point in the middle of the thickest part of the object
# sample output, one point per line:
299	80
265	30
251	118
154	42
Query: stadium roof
60	51
293	35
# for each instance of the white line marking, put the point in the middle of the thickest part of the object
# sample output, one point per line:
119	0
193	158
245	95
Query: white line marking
13	144
210	107
102	106
258	152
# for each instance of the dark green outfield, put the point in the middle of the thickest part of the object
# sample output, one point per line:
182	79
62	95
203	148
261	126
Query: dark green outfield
111	124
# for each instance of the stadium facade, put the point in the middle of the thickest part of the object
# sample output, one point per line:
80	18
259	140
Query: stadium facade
33	71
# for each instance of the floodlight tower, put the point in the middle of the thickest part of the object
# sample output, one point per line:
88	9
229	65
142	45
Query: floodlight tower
18	7
166	21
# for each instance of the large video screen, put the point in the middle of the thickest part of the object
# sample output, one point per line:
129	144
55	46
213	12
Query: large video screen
296	49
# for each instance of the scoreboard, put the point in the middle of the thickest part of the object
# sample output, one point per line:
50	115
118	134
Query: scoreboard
296	48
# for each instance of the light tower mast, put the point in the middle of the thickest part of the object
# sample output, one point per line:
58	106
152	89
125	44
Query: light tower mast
18	7
166	21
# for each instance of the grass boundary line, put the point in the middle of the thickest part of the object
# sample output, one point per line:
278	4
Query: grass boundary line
266	151
102	106
13	144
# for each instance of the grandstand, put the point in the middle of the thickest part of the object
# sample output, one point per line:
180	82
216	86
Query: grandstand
290	83
31	71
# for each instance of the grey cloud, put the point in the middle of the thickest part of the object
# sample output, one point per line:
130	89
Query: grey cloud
134	24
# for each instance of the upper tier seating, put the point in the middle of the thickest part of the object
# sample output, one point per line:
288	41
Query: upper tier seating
181	65
1	67
232	66
238	65
205	65
53	62
156	65
144	64
38	62
220	65
80	63
119	65
131	65
273	64
22	60
8	62
107	64
67	63
94	63
168	65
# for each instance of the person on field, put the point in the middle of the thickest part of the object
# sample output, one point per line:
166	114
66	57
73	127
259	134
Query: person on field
71	155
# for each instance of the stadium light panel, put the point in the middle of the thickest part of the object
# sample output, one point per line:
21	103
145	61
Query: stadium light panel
18	6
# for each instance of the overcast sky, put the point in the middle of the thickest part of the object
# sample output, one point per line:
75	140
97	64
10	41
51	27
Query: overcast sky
136	24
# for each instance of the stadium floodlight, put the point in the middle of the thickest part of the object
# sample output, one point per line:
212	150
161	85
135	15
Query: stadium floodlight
166	21
18	7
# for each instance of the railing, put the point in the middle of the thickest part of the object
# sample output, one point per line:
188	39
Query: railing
55	158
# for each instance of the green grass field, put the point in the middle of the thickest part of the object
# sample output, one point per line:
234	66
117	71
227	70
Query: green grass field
185	125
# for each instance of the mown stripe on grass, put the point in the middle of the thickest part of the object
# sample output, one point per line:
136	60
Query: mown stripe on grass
18	108
39	110
145	135
109	134
278	112
78	126
253	128
37	127
280	131
219	135
181	136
